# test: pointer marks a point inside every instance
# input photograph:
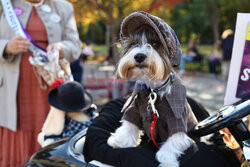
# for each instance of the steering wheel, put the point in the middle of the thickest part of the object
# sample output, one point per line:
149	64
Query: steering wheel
227	116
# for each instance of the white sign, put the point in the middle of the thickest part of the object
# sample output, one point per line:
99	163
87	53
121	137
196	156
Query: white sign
237	54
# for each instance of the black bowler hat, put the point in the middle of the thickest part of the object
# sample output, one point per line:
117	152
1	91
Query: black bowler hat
70	97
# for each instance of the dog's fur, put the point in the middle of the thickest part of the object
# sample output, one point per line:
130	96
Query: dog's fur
155	66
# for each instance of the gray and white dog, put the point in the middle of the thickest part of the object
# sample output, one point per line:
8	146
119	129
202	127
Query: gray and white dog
151	49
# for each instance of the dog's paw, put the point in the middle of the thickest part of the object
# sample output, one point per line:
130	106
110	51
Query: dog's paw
166	159
127	135
111	142
169	164
117	142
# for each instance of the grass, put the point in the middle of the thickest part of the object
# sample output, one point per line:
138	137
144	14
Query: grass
203	48
100	48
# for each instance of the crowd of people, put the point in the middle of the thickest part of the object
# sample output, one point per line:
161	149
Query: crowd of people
51	25
218	62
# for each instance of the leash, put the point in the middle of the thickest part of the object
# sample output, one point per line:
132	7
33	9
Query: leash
155	115
151	103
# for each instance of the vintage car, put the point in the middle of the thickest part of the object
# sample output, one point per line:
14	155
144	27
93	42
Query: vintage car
68	152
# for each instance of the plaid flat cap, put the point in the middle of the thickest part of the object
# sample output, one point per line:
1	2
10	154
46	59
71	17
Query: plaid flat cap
169	40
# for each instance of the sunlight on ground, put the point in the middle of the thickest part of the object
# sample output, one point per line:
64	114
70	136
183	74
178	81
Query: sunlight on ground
206	96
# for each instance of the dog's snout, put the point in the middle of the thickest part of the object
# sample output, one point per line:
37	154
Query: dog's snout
139	58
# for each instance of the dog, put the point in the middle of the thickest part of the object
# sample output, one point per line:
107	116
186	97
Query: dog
149	56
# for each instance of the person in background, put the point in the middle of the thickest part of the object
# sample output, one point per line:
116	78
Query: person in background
77	67
24	105
87	51
215	58
189	56
227	46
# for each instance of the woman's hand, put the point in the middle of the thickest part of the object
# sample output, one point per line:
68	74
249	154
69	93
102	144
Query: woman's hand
55	46
17	45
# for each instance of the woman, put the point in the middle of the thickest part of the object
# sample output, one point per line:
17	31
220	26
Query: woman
227	46
77	67
216	58
24	105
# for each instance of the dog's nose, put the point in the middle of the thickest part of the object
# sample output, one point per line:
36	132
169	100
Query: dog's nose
140	57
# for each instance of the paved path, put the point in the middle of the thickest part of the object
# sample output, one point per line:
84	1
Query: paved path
203	87
206	89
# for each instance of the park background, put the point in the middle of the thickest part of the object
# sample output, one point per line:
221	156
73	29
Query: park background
204	21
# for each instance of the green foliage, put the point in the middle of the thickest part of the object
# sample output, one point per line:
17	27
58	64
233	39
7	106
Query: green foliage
95	32
191	20
1	7
194	17
229	10
80	28
100	48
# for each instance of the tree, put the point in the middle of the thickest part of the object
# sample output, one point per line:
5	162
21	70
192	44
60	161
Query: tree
229	9
215	18
157	4
206	18
111	12
191	19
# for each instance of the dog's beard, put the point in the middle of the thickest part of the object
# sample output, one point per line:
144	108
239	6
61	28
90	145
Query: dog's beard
154	67
128	68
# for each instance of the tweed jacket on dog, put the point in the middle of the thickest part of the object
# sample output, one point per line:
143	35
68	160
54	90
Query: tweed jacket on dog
175	114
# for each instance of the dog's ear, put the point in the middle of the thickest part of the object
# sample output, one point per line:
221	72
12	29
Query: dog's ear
168	67
117	75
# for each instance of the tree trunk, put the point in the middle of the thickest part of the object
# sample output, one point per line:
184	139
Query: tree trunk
107	35
215	18
115	29
114	34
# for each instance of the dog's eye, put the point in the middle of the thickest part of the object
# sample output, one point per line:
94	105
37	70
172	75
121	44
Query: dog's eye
132	44
156	44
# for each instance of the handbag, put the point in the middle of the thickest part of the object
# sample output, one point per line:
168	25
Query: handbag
50	70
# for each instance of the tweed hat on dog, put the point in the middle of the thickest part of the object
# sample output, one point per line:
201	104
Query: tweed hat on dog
168	38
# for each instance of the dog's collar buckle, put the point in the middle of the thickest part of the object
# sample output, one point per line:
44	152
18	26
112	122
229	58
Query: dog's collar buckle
152	102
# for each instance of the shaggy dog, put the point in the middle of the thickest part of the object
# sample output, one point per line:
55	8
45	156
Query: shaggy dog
148	55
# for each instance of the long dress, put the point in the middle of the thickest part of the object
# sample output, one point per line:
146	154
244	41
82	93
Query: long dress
32	103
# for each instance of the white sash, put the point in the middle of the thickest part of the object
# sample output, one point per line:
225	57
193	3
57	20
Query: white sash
20	31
